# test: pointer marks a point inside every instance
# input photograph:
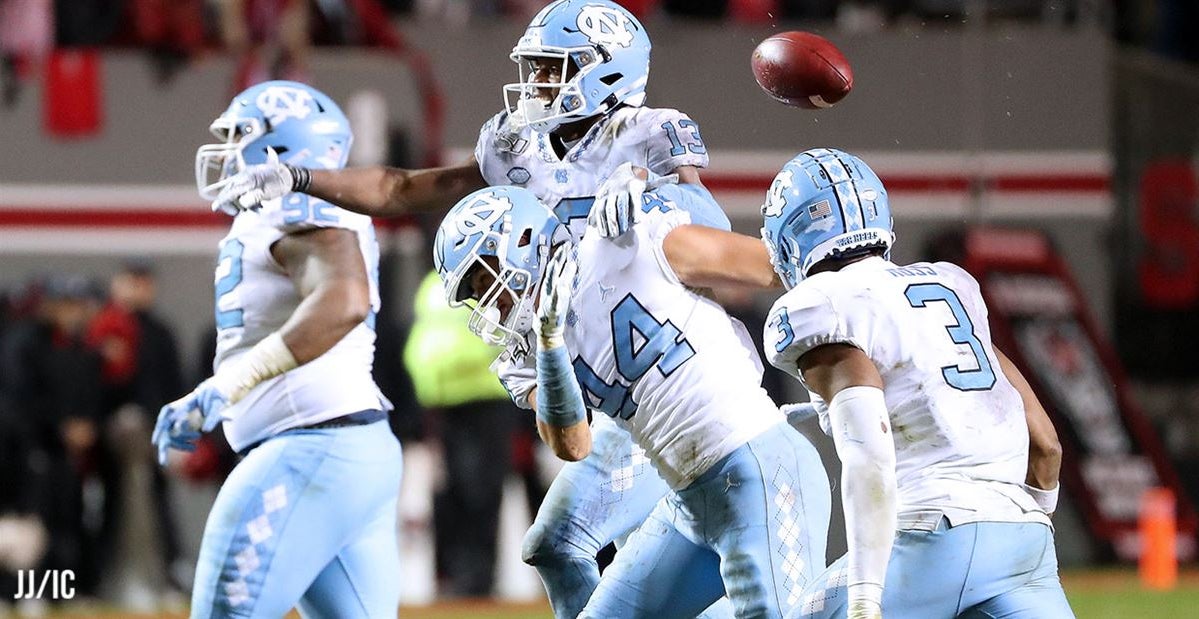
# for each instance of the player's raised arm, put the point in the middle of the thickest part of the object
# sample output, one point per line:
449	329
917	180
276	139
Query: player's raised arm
1044	449
378	191
557	398
849	381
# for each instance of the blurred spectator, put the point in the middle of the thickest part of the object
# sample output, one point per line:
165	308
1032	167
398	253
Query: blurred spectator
1177	29
26	37
710	9
450	369
146	374
271	38
52	381
87	23
172	29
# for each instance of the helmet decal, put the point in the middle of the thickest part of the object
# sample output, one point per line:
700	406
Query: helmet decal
479	216
774	198
278	103
605	26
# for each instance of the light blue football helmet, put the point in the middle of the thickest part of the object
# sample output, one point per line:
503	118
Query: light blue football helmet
603	41
300	123
823	204
513	226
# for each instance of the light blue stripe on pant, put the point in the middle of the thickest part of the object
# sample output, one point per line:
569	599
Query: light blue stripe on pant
755	526
308	518
979	570
591	504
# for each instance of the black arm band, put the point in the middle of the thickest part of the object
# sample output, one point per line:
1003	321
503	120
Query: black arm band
301	178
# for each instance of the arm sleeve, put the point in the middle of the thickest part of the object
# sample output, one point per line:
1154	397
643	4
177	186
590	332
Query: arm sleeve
861	430
695	200
673	140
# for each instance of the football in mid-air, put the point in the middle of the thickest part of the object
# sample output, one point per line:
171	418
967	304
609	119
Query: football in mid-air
802	69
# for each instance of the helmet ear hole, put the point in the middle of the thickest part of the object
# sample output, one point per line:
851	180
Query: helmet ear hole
611	78
526	237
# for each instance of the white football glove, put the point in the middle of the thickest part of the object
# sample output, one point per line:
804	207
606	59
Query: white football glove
557	286
864	609
254	185
181	422
617	206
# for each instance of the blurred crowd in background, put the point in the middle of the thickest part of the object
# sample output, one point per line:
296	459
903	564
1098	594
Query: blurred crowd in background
273	37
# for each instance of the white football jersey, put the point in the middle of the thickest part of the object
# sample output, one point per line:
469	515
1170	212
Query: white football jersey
660	140
665	362
255	296
961	439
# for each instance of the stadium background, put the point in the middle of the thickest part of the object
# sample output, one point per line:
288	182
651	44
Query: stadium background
1073	118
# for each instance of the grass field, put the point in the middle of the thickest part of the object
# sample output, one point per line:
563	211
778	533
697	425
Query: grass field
1094	594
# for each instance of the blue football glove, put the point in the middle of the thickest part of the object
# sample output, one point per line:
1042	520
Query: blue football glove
181	422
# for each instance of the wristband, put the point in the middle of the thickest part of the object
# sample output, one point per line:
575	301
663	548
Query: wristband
266	360
559	399
1046	499
301	178
866	592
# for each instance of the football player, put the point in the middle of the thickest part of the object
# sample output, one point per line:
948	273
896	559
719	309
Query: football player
946	513
622	328
308	517
576	113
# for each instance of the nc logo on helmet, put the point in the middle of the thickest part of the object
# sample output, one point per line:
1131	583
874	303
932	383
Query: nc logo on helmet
774	197
479	216
278	103
605	26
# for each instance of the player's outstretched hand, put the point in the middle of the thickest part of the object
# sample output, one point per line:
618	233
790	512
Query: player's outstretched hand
618	200
254	185
557	286
181	422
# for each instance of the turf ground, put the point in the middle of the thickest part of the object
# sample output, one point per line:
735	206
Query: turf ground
1094	594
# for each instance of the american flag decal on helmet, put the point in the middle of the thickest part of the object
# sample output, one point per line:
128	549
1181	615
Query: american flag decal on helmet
820	210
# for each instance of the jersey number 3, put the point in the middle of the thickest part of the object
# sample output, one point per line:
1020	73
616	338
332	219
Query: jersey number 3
961	332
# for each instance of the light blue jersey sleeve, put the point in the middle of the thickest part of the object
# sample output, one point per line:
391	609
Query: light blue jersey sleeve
695	200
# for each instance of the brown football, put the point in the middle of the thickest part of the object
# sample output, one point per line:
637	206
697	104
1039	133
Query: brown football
802	69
